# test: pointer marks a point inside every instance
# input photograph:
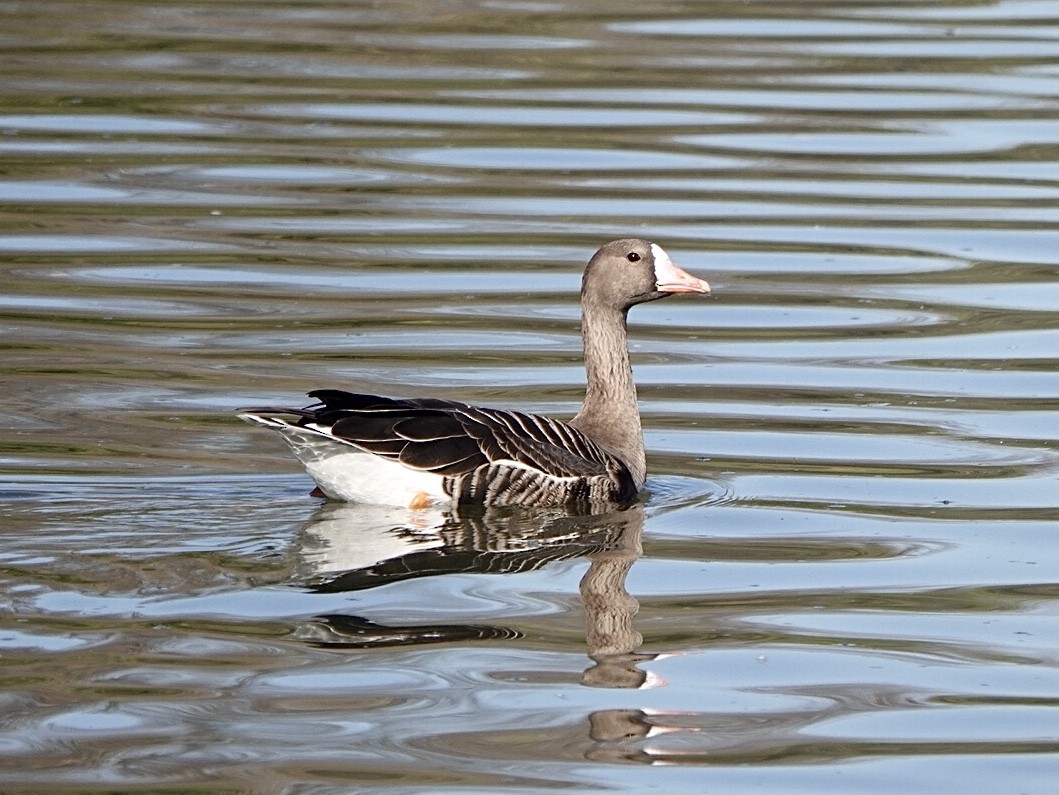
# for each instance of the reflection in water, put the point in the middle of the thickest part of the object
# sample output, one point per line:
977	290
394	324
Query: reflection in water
340	631
609	610
350	547
616	726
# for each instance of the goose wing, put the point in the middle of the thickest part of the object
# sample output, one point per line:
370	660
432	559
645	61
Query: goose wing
452	438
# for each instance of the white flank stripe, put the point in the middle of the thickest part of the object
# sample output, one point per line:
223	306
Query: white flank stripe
542	476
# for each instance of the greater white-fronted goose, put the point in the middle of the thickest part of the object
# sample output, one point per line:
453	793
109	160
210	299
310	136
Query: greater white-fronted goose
420	452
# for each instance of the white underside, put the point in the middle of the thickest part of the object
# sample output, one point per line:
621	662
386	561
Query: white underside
363	477
345	473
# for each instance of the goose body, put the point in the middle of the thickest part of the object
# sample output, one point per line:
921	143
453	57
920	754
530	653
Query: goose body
424	451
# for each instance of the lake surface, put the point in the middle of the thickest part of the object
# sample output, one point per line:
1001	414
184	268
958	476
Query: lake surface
844	577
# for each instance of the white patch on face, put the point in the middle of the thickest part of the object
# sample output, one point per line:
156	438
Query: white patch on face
664	267
669	278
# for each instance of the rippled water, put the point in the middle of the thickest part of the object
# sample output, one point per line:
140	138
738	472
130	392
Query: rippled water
844	578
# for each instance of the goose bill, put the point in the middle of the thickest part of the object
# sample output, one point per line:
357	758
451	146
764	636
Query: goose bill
669	278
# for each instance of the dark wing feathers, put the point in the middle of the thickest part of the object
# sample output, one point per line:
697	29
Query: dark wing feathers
429	426
454	439
538	442
336	399
450	456
362	426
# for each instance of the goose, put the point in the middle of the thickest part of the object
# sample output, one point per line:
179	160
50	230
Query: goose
426	452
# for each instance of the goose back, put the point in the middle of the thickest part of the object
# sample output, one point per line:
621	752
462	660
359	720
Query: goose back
478	455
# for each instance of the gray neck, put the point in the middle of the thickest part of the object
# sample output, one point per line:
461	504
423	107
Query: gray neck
610	414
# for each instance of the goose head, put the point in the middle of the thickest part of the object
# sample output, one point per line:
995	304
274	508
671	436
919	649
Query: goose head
631	271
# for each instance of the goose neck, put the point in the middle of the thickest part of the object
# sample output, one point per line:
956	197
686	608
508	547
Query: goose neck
610	414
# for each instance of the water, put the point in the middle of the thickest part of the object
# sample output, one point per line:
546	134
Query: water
844	578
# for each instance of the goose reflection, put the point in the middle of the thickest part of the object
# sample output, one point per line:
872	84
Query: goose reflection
348	548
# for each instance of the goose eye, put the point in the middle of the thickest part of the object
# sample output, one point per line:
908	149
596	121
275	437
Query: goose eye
632	256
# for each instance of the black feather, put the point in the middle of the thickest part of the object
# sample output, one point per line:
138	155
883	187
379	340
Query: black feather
429	427
366	427
449	457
